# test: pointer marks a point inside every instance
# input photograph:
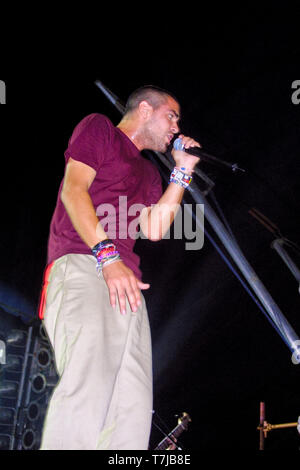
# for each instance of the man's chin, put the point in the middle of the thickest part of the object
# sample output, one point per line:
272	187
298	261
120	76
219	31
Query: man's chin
161	147
164	148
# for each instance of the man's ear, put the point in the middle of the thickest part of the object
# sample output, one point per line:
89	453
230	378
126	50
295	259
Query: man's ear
145	109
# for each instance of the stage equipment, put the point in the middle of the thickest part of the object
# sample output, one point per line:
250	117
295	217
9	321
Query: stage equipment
42	378
27	378
2	352
170	439
265	427
279	242
263	299
13	373
277	245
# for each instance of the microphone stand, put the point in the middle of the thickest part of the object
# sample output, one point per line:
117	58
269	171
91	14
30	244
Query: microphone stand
277	245
264	427
288	334
276	317
279	242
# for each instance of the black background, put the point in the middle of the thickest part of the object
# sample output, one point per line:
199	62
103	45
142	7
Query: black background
215	355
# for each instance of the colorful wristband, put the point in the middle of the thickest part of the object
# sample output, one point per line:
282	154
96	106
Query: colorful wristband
105	253
104	244
186	171
178	177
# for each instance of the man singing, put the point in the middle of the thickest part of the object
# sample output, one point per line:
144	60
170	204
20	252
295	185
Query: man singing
92	306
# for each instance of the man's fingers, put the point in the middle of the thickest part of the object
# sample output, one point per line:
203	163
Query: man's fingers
189	141
122	283
133	296
143	286
132	292
122	302
112	297
126	291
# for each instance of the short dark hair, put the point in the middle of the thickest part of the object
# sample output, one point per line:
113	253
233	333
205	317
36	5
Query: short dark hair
154	95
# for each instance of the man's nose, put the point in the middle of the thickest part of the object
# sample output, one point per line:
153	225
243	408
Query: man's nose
175	128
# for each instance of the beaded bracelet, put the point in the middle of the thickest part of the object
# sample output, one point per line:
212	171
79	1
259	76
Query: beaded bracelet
178	177
104	244
105	253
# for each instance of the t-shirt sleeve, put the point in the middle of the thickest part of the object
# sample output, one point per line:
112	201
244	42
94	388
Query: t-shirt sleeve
89	141
155	188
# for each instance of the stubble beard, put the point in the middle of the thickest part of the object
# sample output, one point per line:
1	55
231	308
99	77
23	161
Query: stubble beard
153	141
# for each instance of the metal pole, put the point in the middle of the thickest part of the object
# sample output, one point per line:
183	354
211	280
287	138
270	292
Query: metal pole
278	246
262	415
292	339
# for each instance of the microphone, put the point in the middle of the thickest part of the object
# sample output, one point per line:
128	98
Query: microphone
178	145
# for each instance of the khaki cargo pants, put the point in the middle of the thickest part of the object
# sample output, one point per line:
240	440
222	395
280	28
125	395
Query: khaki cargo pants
103	399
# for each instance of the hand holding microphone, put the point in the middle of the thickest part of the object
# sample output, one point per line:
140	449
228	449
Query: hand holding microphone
193	148
180	152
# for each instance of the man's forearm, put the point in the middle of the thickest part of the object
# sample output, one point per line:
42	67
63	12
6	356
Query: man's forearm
159	219
80	209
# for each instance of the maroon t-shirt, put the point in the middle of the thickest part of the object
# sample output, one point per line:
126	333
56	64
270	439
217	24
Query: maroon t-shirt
125	182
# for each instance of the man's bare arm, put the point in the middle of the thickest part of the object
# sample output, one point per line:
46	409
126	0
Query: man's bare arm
155	221
78	203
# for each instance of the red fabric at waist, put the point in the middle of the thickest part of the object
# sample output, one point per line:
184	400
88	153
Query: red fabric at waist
42	303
